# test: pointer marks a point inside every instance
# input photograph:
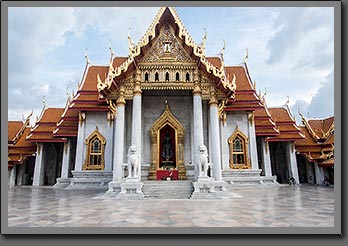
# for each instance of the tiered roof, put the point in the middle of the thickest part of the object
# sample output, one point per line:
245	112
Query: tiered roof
246	98
18	148
264	124
319	142
87	98
288	130
43	129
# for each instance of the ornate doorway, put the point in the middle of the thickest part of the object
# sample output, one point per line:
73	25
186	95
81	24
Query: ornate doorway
167	145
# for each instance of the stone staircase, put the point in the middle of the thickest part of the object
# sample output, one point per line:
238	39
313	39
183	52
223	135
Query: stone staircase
173	189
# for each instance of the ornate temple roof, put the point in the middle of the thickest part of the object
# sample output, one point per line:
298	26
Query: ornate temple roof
18	148
319	142
288	130
136	51
44	126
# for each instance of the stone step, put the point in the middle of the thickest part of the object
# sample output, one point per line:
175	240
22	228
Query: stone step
173	189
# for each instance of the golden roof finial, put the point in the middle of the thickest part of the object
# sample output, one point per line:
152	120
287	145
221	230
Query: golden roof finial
202	44
287	102
44	102
131	43
67	93
112	52
86	56
223	50
254	84
246	56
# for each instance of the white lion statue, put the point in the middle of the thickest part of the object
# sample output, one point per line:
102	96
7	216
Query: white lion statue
203	161
133	162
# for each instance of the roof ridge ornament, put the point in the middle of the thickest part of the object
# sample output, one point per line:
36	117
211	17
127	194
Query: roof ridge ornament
204	40
246	56
112	52
86	57
131	43
222	51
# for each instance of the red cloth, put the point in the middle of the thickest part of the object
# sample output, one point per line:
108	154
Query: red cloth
174	174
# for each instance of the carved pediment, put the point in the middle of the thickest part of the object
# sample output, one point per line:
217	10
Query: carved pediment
166	48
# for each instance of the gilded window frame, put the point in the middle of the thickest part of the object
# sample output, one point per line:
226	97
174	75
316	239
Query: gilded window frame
98	135
245	145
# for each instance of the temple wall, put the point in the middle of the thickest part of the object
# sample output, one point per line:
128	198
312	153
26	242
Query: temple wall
227	129
99	119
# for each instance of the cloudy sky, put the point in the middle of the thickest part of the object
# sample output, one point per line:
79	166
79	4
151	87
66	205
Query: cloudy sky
290	50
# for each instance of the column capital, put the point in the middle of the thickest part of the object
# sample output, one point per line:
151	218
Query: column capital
137	89
213	102
197	91
121	100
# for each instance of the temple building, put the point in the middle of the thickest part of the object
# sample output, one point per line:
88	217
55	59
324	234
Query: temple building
168	112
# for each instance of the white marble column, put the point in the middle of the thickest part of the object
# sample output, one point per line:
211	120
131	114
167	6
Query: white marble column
136	122
119	139
66	160
80	142
266	157
215	139
319	175
38	178
12	180
252	143
293	171
197	127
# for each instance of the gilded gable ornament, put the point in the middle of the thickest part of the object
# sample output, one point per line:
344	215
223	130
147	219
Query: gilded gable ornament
166	48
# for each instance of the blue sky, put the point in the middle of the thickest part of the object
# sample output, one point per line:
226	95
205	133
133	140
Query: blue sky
290	50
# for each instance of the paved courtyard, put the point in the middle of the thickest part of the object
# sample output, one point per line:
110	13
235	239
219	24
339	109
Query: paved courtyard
283	206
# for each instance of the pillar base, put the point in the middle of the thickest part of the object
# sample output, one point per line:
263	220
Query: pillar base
131	189
114	188
204	188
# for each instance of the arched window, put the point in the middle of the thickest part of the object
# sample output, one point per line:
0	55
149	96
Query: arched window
156	76
187	76
167	76
177	76
146	77
95	151
238	145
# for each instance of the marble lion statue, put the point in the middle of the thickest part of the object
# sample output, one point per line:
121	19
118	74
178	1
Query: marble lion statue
133	162
203	161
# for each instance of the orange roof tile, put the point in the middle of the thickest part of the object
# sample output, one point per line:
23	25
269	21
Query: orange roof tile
288	129
215	61
90	80
117	61
13	129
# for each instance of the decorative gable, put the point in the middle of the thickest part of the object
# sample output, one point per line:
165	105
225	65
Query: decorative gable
166	48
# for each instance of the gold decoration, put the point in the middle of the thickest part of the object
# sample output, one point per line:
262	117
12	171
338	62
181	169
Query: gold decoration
38	146
110	117
267	146
245	144
251	118
222	112
167	118
95	135
82	117
65	147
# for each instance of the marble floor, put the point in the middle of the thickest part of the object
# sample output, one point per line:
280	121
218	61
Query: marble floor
283	206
